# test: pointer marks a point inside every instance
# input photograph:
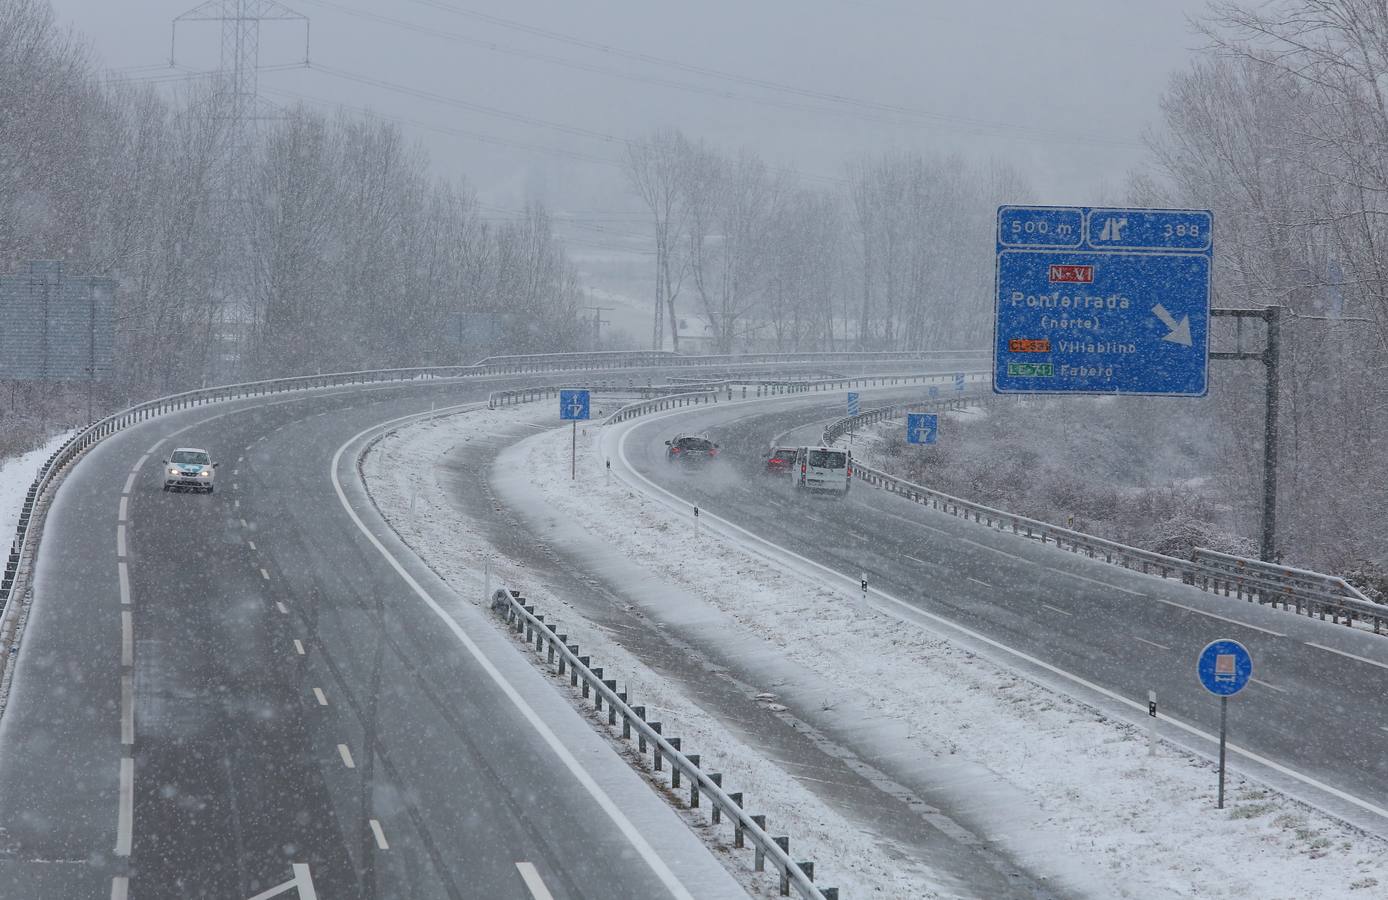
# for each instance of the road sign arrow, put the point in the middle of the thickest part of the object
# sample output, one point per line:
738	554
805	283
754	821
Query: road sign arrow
1180	333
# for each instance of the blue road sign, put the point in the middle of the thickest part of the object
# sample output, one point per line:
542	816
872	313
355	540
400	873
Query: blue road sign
934	391
1224	667
959	381
573	405
922	428
853	408
1102	301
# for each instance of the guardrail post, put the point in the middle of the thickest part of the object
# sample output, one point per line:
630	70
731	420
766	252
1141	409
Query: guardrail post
717	779
597	695
611	685
674	767
641	736
563	639
657	760
573	670
830	893
759	859
693	781
784	843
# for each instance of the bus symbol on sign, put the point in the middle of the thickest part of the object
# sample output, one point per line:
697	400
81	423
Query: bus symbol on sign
1072	274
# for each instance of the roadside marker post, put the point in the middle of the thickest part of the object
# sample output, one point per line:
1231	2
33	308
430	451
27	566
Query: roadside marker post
1225	668
573	407
1152	723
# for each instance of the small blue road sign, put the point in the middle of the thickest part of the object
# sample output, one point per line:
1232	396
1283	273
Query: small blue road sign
1102	301
853	408
922	428
934	391
1224	667
959	381
573	405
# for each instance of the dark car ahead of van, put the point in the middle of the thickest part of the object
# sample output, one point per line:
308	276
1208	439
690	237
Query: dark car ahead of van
690	449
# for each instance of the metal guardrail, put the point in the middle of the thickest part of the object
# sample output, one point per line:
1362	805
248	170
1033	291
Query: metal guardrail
618	359
1306	593
527	395
704	786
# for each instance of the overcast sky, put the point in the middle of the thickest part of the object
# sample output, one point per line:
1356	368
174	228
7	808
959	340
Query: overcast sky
1061	90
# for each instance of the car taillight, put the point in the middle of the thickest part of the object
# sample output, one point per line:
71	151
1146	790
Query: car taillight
713	453
850	471
674	449
776	459
802	468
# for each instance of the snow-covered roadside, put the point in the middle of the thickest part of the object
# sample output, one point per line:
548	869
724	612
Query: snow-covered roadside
1128	825
856	863
16	475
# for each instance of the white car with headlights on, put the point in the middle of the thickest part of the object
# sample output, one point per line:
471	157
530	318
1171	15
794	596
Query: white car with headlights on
189	468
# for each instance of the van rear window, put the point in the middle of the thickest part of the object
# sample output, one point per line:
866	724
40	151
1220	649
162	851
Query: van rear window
828	459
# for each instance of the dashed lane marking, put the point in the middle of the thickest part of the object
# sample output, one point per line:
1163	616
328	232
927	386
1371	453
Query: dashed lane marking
264	574
531	876
1107	584
298	646
120	540
127	710
127	639
243	524
318	693
126	808
120	888
346	756
1211	615
129	483
1057	609
284	610
380	835
984	583
123	571
251	544
1151	643
123	513
1268	685
1350	655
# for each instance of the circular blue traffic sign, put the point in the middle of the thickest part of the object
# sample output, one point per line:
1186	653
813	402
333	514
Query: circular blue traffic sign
1224	667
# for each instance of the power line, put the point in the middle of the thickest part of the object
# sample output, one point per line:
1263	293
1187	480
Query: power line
775	86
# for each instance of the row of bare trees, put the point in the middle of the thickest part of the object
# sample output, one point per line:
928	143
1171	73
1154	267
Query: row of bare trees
320	244
1282	129
895	258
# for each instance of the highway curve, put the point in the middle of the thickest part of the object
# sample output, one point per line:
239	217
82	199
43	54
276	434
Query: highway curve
220	695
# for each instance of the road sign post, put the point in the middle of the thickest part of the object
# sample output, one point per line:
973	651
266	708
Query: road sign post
574	406
1225	668
1102	301
922	428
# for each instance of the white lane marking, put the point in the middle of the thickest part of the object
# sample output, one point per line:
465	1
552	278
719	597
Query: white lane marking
127	709
235	486
531	876
264	574
346	756
139	463
129	484
127	639
380	835
126	808
239	458
153	448
1057	609
1151	643
236	504
570	762
909	612
120	888
1100	582
994	550
282	608
984	583
305	882
298	646
1220	618
1269	686
120	540
243	524
235	471
924	562
251	544
123	511
123	570
1350	655
318	693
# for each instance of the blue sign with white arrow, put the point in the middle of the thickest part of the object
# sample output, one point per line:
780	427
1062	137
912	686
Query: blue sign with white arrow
922	428
573	405
853	407
1102	301
959	382
1224	667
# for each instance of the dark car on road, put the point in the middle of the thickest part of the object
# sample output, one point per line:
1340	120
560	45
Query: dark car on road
690	449
780	460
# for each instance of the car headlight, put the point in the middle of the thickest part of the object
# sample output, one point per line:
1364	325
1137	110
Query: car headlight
173	471
206	473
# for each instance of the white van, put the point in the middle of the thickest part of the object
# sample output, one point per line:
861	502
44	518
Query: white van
822	469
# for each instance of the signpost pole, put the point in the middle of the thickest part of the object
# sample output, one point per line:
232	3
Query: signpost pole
1271	357
573	453
1223	728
